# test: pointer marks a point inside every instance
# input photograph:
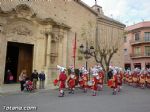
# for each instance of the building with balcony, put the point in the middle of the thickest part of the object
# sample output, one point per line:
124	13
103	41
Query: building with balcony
137	46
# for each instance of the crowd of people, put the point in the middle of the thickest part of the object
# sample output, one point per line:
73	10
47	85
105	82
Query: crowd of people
95	84
116	76
137	78
30	83
114	79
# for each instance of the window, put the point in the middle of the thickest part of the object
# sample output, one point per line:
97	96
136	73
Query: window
137	51
147	36
137	36
125	39
147	50
137	65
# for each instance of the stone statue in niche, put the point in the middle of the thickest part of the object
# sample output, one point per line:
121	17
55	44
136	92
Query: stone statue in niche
21	30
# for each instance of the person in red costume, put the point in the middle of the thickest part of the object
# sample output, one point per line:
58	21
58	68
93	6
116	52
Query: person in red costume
95	83
119	79
142	78
148	78
100	80
84	79
135	77
130	78
71	81
115	82
62	81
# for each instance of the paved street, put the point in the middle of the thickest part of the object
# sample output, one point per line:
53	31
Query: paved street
130	100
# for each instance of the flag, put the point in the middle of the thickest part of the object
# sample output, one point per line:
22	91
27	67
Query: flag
74	49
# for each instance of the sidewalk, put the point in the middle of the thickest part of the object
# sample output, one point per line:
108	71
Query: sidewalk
15	88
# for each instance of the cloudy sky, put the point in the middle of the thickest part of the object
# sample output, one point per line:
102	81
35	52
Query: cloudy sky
128	12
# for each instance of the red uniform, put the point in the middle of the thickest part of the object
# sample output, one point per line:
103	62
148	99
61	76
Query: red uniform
119	79
62	80
127	77
130	79
134	77
115	82
148	80
85	80
101	78
142	79
95	82
71	82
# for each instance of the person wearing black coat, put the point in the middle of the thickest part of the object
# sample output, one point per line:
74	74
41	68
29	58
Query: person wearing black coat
110	74
34	78
42	80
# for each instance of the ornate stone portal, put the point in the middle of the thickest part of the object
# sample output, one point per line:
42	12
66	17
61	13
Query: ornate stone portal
21	25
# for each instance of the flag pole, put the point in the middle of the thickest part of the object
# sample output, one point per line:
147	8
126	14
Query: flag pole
75	49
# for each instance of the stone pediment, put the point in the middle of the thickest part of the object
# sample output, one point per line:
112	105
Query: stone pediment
26	12
21	30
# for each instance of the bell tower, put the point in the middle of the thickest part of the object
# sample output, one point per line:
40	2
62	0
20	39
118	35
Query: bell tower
98	8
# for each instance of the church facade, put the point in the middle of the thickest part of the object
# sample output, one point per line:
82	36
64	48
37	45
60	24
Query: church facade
40	35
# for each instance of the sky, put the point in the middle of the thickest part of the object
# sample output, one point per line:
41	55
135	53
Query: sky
128	12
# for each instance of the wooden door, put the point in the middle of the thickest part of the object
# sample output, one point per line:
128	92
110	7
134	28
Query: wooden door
25	59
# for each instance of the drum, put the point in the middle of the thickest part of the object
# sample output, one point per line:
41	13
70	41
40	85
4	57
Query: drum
81	83
90	83
110	83
55	82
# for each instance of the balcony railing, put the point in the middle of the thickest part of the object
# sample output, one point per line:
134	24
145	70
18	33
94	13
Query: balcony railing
141	40
140	55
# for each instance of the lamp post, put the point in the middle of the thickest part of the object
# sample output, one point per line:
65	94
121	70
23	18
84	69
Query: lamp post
87	51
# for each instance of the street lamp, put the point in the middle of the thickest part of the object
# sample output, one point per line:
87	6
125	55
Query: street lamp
87	51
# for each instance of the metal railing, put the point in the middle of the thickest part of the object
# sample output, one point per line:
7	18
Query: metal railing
141	40
140	55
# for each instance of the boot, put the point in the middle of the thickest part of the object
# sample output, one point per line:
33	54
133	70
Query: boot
85	90
94	93
61	94
114	92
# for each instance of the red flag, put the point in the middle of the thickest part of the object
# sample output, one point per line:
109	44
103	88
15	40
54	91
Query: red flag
74	49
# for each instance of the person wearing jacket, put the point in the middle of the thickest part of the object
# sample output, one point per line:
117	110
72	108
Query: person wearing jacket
42	80
34	78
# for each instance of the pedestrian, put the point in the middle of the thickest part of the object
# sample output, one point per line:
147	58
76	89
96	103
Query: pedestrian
110	74
95	83
114	82
42	80
148	78
22	79
142	78
62	77
84	79
101	79
135	77
71	82
34	78
10	77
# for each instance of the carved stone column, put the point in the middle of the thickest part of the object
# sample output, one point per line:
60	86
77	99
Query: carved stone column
64	50
48	50
3	50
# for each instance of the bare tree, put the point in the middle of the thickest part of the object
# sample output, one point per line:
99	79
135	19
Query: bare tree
106	47
107	43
